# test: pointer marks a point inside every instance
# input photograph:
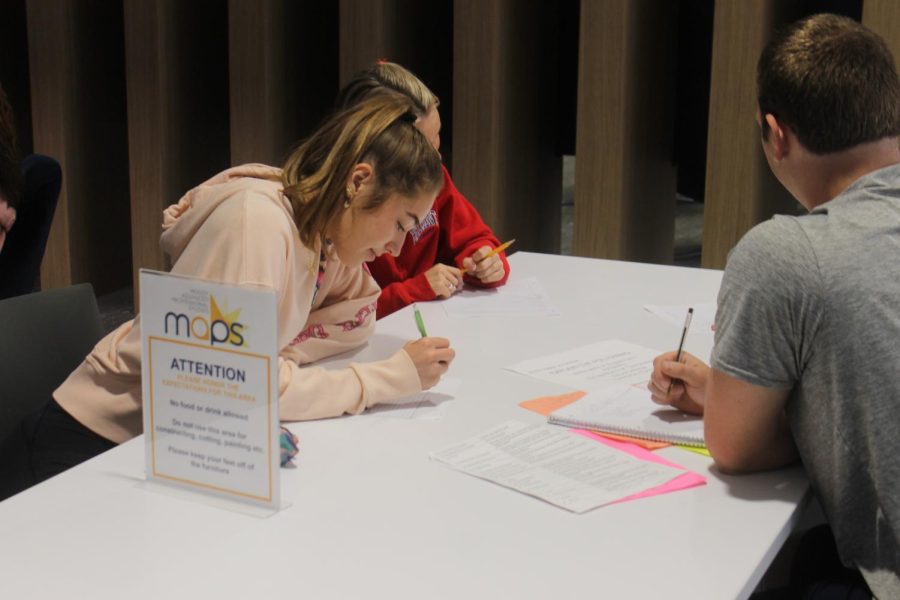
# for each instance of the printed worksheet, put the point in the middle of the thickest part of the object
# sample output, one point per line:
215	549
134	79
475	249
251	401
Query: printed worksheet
593	367
518	298
428	405
554	465
702	321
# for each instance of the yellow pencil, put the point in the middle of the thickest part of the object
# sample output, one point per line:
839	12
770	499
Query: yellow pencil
499	249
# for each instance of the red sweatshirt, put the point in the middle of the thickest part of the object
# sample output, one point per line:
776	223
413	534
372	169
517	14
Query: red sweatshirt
451	232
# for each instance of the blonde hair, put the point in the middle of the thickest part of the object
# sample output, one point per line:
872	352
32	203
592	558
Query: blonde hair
378	131
391	76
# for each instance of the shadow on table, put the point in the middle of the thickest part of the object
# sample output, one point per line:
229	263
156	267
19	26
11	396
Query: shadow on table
778	484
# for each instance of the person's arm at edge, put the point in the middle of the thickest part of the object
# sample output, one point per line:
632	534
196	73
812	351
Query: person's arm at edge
345	319
745	425
313	392
746	428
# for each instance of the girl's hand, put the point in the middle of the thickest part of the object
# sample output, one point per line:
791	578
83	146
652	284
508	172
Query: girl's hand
432	357
488	270
444	280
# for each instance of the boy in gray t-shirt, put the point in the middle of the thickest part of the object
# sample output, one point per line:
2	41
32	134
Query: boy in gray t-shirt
812	305
807	356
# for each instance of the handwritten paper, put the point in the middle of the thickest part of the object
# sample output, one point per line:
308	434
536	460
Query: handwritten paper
427	405
518	298
569	471
593	367
702	321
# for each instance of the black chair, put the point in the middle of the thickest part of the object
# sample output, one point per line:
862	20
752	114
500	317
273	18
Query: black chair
45	335
20	260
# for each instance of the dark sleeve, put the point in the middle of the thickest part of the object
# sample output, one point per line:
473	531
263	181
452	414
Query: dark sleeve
20	261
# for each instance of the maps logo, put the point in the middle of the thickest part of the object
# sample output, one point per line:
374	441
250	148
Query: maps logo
219	328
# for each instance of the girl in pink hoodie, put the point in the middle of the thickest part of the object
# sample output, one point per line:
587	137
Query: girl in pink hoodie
348	194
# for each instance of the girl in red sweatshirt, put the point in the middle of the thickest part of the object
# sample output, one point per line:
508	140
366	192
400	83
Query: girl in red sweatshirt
451	245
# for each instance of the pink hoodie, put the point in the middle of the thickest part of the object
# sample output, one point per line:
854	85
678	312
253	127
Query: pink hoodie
238	227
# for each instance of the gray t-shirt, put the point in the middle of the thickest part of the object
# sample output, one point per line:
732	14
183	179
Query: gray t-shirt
812	303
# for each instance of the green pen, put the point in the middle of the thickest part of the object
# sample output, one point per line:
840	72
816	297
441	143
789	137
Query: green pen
420	324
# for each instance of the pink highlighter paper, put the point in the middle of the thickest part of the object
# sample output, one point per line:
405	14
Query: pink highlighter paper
682	482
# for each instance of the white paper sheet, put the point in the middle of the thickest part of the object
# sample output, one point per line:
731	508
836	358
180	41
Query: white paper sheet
518	298
593	367
701	322
427	405
559	467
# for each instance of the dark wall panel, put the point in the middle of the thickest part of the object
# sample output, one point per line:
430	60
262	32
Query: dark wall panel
77	78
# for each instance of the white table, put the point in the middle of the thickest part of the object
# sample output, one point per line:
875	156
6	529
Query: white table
372	517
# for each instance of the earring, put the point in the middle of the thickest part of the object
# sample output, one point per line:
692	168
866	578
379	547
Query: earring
349	196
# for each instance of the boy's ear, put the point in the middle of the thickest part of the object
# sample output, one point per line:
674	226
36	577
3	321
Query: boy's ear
778	137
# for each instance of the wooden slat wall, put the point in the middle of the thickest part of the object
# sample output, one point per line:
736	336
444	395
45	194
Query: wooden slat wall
257	82
78	114
740	189
624	174
176	54
501	161
883	17
369	30
282	62
412	33
51	71
209	83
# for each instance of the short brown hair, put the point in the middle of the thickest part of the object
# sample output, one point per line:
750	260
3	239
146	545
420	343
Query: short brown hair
385	75
10	167
379	131
832	81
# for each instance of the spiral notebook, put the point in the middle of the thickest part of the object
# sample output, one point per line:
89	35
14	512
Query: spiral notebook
628	410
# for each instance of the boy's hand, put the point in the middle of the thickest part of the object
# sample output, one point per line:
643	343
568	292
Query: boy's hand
679	384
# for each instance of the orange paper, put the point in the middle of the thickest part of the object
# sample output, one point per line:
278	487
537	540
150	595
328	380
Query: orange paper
547	404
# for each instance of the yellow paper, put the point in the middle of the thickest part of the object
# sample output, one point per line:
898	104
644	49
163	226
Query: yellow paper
698	449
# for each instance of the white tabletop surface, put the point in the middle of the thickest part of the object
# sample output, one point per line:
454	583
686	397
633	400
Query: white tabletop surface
372	517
